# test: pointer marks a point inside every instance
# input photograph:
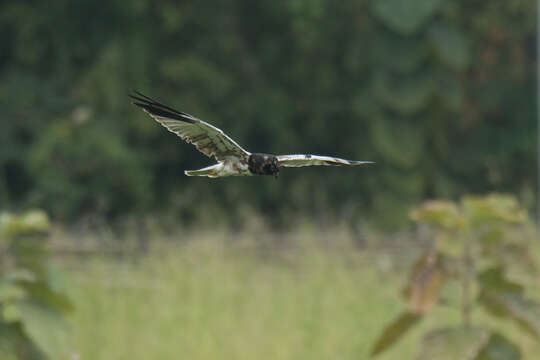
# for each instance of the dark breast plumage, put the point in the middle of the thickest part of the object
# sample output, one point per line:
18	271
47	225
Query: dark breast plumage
263	164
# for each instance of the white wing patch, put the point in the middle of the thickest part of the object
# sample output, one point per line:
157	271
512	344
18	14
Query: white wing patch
298	160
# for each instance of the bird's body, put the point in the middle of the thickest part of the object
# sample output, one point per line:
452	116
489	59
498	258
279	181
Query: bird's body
232	159
257	164
227	167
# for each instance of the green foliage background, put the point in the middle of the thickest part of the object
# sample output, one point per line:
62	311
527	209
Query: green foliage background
32	298
440	93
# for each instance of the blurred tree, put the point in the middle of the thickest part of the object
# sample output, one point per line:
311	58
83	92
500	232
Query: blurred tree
80	168
440	94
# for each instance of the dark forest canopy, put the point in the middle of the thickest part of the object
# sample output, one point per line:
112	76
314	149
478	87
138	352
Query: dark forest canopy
441	94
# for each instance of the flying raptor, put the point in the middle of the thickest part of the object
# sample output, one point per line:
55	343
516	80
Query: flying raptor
232	159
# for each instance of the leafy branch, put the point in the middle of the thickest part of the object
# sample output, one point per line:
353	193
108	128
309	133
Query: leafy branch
477	242
30	303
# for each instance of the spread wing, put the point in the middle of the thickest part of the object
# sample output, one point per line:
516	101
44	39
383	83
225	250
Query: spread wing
208	139
299	160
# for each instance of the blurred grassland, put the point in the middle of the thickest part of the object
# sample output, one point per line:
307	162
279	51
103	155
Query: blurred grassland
232	296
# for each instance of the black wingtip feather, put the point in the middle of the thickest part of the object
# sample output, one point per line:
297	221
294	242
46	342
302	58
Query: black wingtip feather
156	108
151	101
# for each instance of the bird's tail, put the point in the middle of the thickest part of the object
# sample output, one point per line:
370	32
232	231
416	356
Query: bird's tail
210	171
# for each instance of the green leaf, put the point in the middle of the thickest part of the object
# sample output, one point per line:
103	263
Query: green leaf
43	325
42	293
494	208
35	221
439	212
513	305
394	331
504	298
10	291
453	344
11	313
15	344
492	236
405	16
451	45
499	348
448	244
493	279
518	256
9	339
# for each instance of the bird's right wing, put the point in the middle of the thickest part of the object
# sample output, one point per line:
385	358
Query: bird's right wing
207	138
299	160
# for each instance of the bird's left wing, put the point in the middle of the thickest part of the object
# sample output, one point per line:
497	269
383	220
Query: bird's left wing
207	138
299	160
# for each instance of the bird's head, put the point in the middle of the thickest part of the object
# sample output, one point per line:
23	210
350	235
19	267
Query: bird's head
263	164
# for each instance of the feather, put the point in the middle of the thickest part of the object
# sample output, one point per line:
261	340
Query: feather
207	138
298	160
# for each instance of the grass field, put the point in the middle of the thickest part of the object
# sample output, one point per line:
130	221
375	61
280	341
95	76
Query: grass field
233	297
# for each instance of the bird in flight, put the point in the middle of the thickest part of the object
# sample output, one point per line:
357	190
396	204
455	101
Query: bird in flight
232	159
